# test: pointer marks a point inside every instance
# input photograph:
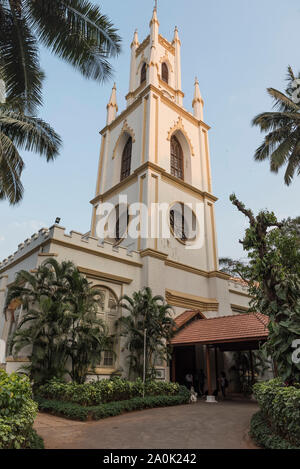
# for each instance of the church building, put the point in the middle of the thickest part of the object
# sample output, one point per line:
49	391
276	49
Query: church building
156	153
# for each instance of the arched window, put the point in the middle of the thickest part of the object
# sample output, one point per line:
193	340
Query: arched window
126	159
176	158
122	221
164	72
108	312
183	222
143	73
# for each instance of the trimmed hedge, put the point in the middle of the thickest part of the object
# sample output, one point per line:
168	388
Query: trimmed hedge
111	409
280	408
264	436
17	413
104	391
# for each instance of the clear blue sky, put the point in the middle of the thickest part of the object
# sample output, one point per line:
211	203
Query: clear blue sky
237	48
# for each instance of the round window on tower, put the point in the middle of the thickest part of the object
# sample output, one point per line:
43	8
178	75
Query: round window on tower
183	222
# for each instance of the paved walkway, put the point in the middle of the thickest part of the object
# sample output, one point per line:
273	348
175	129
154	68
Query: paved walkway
198	426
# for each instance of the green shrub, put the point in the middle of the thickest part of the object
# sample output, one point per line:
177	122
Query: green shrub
17	412
104	391
280	406
78	412
264	436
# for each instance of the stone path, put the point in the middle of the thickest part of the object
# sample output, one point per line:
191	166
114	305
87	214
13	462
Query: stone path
198	426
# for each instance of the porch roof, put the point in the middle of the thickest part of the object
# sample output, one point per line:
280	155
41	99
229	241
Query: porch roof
247	327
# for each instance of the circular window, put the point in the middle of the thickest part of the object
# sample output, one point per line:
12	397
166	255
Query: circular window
183	222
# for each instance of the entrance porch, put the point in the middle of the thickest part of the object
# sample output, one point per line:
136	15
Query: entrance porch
201	344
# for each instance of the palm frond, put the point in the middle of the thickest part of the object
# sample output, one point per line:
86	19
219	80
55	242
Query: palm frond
77	32
274	120
293	165
11	167
30	133
281	154
19	60
282	102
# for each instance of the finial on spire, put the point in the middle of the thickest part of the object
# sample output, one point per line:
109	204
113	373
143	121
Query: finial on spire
155	5
176	35
154	16
135	41
112	107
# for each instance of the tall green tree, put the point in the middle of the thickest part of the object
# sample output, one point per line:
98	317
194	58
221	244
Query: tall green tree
281	145
74	30
59	321
273	273
88	334
152	313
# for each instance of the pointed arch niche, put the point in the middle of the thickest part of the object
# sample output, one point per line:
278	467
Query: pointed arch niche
125	133
179	132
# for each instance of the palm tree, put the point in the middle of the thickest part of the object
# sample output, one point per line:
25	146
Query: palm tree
18	131
282	144
88	335
153	314
74	30
44	328
59	321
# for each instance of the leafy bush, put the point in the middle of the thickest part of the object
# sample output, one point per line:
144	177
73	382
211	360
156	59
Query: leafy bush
280	406
104	391
263	435
79	412
17	412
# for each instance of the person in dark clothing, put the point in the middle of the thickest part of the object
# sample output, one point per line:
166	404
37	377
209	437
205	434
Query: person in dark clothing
201	381
189	380
223	384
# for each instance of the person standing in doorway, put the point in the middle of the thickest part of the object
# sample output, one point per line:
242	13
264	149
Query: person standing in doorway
201	381
189	380
223	383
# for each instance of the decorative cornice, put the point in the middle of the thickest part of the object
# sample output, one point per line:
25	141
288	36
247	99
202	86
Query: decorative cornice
179	126
240	293
187	187
154	253
142	46
238	308
117	188
166	44
184	300
125	129
47	254
169	88
165	177
180	110
94	252
11	359
95	274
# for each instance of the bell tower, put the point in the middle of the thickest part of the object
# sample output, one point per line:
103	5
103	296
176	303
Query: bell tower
157	152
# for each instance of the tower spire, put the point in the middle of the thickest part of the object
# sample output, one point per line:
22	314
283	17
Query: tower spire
198	102
177	45
112	107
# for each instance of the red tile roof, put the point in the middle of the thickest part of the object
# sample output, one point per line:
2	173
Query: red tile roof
186	316
233	328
